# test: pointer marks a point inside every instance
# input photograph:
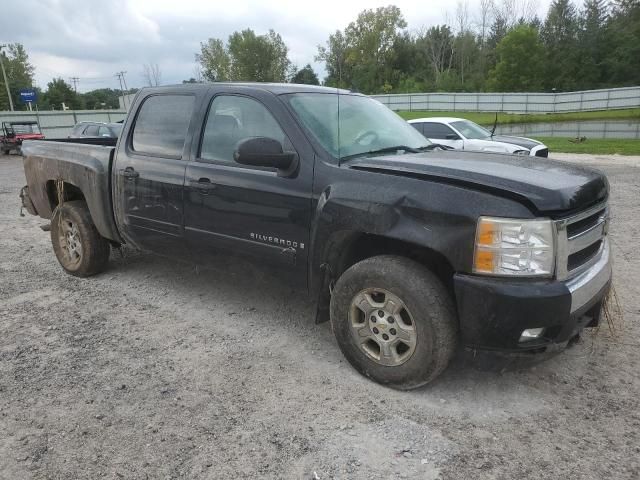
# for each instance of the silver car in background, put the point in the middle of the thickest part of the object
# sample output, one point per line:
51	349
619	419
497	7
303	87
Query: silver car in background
96	130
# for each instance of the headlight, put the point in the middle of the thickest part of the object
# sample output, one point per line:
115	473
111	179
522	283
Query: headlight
514	247
521	152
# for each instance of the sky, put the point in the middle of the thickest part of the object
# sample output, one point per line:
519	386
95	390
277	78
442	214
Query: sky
93	40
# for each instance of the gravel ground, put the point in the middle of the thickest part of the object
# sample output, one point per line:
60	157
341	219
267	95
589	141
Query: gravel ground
154	370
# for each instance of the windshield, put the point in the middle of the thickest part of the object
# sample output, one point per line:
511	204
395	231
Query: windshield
471	130
364	125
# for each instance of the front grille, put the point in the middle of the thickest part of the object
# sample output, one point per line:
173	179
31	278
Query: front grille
543	152
580	240
576	228
581	257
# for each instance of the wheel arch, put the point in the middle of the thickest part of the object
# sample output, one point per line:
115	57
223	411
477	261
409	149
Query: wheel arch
71	192
361	246
346	248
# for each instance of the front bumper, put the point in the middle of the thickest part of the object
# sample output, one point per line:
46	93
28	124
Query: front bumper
493	312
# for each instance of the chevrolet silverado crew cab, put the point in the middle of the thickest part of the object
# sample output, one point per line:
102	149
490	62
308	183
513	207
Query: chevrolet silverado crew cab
410	251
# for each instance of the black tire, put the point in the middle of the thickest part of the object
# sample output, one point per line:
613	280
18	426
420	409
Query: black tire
93	255
428	304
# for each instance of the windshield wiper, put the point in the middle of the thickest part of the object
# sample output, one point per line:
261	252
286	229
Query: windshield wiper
395	148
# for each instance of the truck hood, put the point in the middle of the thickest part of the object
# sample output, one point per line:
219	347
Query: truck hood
544	186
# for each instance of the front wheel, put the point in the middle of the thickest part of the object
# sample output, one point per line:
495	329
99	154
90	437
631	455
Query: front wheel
394	321
78	246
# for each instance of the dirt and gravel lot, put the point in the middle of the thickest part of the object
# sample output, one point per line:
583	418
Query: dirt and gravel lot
154	370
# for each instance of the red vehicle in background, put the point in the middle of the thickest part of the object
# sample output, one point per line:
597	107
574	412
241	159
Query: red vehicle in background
14	133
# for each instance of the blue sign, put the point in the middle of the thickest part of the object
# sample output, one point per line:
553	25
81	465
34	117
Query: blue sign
28	95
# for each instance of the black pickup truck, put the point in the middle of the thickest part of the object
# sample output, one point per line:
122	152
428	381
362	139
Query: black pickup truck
411	251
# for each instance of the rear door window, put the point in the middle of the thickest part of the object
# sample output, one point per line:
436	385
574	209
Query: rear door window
161	125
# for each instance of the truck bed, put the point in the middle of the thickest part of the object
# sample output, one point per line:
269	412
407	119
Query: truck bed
82	163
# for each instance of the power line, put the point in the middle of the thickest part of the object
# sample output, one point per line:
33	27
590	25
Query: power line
75	83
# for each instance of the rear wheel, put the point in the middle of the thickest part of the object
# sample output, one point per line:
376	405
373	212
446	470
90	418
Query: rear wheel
394	321
78	246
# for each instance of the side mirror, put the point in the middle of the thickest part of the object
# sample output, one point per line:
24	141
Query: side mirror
452	136
263	152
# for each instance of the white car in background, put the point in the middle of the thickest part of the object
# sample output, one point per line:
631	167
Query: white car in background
462	134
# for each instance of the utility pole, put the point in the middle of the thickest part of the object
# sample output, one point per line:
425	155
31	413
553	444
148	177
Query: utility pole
124	81
75	83
4	75
120	78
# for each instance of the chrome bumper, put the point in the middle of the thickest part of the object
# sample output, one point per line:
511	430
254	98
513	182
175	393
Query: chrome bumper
589	283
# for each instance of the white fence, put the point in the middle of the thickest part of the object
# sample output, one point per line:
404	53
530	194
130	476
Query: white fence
629	129
58	124
606	99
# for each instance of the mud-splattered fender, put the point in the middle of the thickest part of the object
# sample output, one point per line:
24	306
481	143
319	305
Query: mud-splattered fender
86	167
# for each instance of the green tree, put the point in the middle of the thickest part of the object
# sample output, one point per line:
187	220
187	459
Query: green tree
622	65
468	61
436	45
372	38
306	76
334	55
59	92
245	57
559	37
520	62
363	56
409	66
101	99
214	59
19	74
497	31
592	44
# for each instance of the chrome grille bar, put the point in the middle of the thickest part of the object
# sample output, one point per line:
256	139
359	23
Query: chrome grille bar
577	242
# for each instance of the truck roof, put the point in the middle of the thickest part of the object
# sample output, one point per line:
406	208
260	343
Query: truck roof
275	88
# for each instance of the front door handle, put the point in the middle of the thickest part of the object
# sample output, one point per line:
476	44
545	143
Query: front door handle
129	173
203	185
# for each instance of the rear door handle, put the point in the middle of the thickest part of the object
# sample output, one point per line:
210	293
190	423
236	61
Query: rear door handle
129	172
203	185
